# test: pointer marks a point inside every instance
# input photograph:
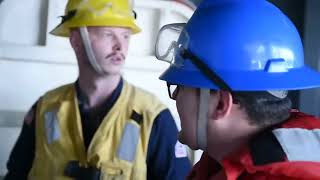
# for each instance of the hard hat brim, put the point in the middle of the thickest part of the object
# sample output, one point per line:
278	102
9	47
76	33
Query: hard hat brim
295	79
63	29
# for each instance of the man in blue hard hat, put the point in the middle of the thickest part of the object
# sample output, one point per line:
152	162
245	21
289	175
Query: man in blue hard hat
232	65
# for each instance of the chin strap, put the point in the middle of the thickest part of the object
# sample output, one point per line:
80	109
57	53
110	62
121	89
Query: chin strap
88	48
202	122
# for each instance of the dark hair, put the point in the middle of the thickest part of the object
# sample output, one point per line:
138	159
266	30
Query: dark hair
264	109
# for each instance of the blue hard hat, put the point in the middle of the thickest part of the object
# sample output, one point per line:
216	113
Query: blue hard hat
246	45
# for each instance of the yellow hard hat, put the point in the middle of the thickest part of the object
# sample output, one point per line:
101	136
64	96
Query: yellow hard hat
82	13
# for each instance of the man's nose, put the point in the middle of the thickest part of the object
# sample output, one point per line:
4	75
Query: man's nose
117	45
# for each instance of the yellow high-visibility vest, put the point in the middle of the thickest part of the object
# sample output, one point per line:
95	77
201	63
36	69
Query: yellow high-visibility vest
119	147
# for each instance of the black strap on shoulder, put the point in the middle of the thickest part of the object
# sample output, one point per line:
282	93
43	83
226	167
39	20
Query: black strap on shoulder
266	149
136	117
74	170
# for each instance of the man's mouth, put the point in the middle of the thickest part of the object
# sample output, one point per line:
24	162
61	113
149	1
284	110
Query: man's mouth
116	57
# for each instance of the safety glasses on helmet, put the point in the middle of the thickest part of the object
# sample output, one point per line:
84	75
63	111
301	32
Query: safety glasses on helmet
167	48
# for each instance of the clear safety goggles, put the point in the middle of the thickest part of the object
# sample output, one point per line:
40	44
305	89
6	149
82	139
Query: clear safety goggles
167	49
167	42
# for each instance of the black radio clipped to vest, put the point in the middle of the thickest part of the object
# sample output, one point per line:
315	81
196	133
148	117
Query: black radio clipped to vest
74	170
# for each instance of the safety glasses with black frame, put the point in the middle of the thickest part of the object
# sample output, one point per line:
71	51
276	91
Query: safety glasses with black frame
167	48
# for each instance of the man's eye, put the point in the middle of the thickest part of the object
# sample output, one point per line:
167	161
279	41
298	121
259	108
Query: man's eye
107	34
126	36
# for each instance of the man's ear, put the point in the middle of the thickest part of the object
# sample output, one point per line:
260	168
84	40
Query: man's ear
220	104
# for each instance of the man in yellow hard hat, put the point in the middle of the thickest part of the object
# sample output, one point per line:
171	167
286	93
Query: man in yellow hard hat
100	127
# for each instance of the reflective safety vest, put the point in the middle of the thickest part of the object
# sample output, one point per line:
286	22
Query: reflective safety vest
119	147
289	151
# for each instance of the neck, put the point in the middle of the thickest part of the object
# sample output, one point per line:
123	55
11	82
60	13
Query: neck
223	151
229	148
97	88
231	136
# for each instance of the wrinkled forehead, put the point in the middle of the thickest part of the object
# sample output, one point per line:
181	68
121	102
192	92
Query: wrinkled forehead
116	30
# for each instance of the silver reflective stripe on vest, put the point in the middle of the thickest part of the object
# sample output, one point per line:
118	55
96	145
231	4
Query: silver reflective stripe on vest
52	126
129	142
299	144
